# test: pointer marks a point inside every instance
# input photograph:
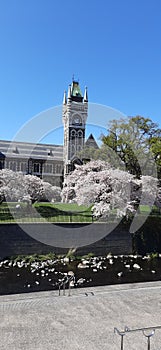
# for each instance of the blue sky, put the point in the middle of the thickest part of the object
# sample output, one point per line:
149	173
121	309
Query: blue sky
112	46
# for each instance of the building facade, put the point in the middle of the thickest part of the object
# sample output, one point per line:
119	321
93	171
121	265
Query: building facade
42	160
52	162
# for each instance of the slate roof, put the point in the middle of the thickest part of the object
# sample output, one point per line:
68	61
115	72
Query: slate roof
91	142
30	150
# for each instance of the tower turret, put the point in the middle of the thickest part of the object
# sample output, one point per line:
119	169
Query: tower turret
65	98
69	92
85	95
74	118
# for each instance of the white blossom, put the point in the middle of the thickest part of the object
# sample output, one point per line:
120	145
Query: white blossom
107	190
15	186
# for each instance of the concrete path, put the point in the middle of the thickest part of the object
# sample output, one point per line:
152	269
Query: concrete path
43	321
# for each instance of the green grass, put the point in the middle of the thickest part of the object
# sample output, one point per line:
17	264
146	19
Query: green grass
45	212
144	209
56	213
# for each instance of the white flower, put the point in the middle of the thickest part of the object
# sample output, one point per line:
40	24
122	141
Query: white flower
120	274
136	266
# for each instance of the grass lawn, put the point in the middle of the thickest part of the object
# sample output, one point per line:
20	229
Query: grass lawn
144	209
57	212
42	212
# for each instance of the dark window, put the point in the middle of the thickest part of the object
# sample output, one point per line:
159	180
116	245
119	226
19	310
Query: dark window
1	165
36	167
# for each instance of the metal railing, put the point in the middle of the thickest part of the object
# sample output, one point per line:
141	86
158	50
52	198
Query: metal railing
148	332
66	281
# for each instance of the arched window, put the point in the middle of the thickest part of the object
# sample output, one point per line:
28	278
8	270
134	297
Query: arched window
80	133
73	133
36	167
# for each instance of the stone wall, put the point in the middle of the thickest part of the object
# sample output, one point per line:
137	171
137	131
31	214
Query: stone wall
15	241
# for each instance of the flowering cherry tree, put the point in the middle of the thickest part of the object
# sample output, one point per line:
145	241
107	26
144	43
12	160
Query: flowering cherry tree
34	187
14	186
51	193
107	189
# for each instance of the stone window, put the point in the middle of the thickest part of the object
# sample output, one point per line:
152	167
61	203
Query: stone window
58	169
80	133
73	133
48	168
23	167
36	168
13	166
1	164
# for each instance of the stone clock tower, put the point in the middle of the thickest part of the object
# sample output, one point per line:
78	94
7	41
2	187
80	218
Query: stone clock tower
75	111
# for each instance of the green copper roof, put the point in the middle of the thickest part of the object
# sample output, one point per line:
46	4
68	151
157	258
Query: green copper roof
75	89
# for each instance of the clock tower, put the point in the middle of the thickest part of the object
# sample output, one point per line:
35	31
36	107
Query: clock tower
75	111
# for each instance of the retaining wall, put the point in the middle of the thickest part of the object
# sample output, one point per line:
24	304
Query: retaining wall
44	238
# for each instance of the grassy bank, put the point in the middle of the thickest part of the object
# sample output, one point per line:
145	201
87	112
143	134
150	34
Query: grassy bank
56	213
40	212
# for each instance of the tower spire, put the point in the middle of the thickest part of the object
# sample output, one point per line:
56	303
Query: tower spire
85	95
64	98
69	92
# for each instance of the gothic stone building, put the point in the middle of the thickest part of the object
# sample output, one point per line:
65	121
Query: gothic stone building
52	162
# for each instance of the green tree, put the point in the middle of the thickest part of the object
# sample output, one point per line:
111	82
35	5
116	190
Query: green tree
136	140
155	146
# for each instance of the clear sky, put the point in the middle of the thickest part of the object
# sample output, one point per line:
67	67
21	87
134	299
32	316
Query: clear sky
112	46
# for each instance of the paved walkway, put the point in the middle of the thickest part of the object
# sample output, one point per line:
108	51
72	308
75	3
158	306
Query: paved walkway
43	321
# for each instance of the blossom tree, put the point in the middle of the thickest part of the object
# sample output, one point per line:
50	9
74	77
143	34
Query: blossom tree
107	189
14	186
51	193
34	187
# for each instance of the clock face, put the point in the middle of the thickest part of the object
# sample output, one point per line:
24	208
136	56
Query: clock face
77	120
